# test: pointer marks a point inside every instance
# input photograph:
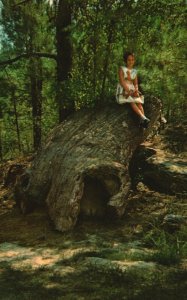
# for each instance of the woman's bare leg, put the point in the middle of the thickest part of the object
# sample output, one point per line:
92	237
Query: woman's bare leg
137	110
141	108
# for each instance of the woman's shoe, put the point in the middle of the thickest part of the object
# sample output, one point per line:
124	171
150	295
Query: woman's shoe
141	124
146	123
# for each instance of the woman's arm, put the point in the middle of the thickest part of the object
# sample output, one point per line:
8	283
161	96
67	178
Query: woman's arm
135	82
122	80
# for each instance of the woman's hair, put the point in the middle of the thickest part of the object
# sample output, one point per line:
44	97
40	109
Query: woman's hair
126	55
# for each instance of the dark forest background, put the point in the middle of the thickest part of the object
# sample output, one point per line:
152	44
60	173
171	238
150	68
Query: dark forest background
61	56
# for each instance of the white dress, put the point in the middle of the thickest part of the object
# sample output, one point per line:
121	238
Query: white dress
120	98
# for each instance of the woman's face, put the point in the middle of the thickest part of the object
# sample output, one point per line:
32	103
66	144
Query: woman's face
130	61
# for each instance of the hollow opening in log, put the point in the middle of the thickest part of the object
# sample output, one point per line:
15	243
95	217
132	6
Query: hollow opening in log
96	195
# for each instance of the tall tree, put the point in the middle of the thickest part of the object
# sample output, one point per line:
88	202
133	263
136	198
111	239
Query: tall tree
64	55
29	23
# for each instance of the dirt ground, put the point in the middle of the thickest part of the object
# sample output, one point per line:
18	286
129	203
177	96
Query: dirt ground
39	262
131	258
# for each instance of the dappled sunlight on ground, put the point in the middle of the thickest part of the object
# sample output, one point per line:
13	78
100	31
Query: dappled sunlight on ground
113	259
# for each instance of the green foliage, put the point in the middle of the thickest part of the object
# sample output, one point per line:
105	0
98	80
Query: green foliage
170	248
100	31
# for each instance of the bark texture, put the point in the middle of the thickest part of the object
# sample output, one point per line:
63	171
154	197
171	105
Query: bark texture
83	168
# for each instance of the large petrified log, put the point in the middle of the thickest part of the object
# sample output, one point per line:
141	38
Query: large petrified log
83	166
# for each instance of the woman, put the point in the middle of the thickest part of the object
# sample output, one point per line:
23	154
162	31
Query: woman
127	89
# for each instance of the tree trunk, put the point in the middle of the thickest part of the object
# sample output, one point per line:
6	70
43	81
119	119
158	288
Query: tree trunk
16	119
64	56
36	99
106	61
83	169
1	143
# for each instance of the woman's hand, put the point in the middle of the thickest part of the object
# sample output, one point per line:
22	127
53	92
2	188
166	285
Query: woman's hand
127	92
136	93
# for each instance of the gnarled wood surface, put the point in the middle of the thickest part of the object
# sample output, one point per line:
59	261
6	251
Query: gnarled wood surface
83	167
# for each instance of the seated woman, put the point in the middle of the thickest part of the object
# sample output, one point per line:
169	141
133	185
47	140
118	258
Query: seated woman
127	88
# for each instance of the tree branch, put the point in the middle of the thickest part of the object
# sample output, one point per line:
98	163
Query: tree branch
27	55
21	2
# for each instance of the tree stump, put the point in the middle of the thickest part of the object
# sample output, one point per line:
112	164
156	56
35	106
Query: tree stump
83	167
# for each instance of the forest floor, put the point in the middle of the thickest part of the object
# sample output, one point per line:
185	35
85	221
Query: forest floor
137	257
